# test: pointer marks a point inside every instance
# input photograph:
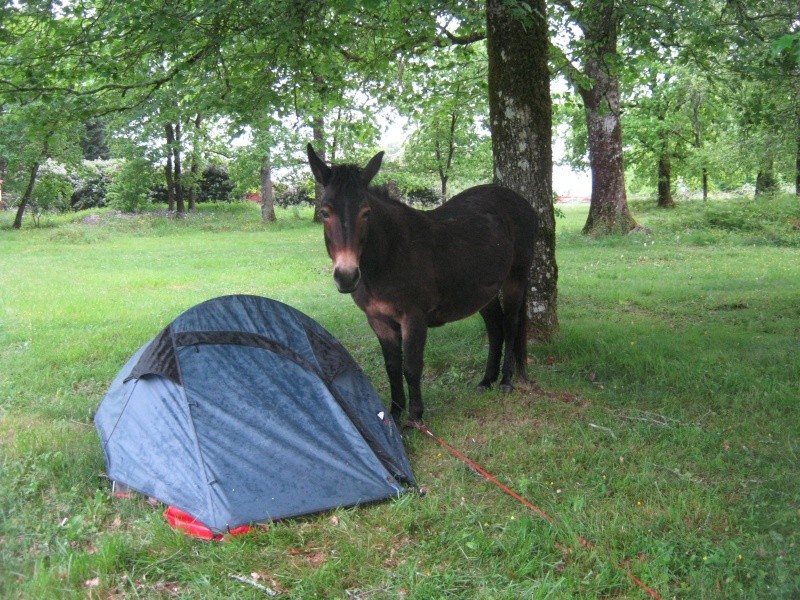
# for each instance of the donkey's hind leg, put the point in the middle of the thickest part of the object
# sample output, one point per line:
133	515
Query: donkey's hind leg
492	315
513	311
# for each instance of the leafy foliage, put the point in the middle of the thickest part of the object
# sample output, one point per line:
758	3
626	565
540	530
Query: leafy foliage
130	189
91	182
52	192
789	45
215	185
447	115
93	141
294	197
424	197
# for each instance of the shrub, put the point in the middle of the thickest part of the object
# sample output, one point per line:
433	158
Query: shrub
215	185
91	183
52	192
129	190
293	197
158	193
422	196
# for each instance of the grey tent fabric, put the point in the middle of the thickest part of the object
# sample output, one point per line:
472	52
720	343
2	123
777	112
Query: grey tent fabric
243	410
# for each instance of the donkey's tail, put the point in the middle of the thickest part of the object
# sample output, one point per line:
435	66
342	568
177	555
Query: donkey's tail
521	339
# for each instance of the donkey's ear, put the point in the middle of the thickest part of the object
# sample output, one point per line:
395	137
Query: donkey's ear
321	171
372	168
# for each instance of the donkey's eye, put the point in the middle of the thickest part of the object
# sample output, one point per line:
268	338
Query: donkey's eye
324	213
365	215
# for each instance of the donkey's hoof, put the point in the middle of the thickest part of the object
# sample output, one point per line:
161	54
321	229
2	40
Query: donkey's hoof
484	387
417	424
506	388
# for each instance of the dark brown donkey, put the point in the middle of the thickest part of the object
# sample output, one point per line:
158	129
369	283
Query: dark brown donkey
409	270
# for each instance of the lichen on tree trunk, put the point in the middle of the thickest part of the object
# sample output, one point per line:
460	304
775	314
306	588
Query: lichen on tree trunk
520	113
608	210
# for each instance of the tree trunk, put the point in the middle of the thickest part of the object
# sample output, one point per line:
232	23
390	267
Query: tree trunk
26	197
267	198
797	151
665	199
444	169
180	207
766	183
319	145
797	164
194	169
698	142
170	133
608	210
520	114
3	169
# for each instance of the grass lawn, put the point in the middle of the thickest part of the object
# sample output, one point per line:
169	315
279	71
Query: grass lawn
663	426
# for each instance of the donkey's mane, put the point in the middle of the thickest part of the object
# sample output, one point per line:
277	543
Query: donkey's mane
347	175
383	192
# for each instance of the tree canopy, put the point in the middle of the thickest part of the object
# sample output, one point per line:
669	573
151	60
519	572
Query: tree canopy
657	95
685	86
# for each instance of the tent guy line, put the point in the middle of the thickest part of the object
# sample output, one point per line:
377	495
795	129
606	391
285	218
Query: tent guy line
473	465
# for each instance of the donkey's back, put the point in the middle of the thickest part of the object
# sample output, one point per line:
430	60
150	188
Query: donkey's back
483	240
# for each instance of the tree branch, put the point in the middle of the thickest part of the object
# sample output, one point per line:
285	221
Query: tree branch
566	5
458	40
564	65
152	84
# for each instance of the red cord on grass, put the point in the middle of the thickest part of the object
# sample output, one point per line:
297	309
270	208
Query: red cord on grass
424	429
190	526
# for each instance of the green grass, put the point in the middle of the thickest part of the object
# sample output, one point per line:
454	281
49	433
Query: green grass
663	428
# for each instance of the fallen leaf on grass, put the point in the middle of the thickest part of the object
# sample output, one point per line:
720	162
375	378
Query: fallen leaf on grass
391	562
92	583
314	557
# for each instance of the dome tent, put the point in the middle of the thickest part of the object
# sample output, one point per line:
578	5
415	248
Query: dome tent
244	410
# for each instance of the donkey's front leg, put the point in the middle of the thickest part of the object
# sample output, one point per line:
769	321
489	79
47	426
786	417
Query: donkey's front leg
414	333
388	334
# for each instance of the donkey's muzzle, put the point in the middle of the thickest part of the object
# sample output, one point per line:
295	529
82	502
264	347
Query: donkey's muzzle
346	280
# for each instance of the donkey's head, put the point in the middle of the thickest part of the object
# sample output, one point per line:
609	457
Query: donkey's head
345	209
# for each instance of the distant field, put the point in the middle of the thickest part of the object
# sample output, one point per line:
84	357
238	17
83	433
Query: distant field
663	426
